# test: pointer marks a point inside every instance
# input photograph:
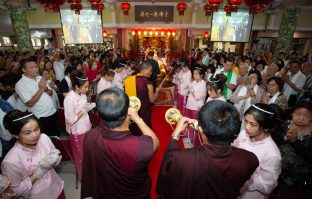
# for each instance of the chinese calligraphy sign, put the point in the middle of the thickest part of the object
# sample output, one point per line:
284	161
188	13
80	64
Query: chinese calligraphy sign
154	13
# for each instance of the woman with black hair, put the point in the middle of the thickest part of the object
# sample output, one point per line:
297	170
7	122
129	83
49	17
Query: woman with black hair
260	121
295	144
248	93
215	86
30	163
196	94
274	93
76	108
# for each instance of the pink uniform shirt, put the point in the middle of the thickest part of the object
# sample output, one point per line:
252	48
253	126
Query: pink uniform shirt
264	179
196	100
21	162
73	104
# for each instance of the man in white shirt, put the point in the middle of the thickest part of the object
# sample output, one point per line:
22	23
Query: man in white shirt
206	57
32	90
59	68
294	82
231	78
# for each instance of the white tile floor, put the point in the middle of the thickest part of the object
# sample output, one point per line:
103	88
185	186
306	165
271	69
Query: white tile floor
67	172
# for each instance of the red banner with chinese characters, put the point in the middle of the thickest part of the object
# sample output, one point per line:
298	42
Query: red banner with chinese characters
154	13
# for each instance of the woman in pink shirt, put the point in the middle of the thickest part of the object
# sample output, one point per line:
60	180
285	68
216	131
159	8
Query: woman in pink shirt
175	81
185	81
77	120
30	163
197	94
260	120
215	87
196	99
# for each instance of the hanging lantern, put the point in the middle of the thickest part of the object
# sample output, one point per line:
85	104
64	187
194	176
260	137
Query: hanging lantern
215	4
133	32
53	6
139	32
94	4
150	33
99	8
145	33
162	33
181	7
208	9
74	1
125	6
257	6
156	33
228	10
173	33
234	4
169	33
94	1
206	35
78	8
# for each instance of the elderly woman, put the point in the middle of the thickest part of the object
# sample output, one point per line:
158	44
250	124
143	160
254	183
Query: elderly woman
249	93
274	93
295	144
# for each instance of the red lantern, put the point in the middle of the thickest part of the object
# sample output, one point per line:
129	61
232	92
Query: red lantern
228	10
181	7
125	6
74	1
94	1
234	4
257	6
208	9
99	8
78	8
215	4
206	35
51	5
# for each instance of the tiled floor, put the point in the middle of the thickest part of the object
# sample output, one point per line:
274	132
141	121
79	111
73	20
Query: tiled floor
67	172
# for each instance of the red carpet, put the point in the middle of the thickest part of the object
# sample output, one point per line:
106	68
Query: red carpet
163	132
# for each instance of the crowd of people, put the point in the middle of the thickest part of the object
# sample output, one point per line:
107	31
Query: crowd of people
254	116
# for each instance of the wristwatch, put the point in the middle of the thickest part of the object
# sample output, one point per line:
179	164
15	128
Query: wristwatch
46	89
175	135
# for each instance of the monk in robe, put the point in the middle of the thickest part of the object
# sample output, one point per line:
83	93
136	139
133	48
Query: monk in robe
115	161
138	85
216	170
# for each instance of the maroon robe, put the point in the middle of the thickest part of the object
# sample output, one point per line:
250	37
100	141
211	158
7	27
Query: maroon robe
115	165
206	172
145	111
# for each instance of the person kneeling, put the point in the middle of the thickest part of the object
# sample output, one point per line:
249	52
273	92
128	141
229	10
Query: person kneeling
215	170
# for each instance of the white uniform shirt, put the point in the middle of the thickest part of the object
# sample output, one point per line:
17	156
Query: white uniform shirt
26	88
59	70
298	79
103	84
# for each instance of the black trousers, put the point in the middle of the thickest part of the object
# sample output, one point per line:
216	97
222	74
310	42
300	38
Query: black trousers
49	125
